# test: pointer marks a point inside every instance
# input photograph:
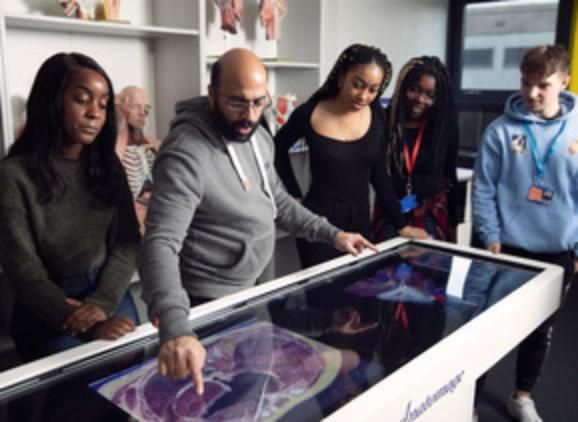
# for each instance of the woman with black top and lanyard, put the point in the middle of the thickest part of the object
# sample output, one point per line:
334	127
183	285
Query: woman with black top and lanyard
344	127
422	150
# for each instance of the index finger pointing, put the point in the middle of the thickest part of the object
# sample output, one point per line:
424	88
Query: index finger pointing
197	375
162	368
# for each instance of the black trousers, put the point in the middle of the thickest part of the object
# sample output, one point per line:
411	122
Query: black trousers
533	350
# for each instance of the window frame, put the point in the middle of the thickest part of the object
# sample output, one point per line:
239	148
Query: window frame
488	100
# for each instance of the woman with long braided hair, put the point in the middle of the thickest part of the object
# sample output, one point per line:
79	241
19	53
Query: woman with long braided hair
345	129
422	150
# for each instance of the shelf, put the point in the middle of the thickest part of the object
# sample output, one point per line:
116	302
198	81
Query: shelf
290	65
277	64
63	24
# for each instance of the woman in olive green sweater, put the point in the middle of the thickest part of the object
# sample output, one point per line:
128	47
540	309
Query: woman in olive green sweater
68	233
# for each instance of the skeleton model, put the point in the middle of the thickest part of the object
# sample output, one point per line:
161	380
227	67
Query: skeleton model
135	150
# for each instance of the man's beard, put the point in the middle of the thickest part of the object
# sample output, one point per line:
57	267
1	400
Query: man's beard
229	129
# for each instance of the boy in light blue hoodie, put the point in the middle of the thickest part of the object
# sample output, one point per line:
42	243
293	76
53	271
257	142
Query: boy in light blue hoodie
525	198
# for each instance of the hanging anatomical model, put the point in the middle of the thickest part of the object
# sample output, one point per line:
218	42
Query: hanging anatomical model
231	11
271	12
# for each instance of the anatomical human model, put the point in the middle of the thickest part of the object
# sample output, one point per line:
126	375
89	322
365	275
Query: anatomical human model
135	150
231	11
91	9
271	12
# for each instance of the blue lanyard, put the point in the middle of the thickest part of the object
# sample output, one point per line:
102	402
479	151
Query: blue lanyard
541	164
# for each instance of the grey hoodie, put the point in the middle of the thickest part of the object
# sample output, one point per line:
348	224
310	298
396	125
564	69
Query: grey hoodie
207	232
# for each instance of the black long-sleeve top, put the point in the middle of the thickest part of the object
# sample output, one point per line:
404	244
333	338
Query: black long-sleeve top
425	182
340	171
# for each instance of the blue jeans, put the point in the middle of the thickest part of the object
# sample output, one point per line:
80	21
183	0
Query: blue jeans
34	340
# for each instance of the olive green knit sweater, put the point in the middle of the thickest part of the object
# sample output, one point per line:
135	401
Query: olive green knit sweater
43	244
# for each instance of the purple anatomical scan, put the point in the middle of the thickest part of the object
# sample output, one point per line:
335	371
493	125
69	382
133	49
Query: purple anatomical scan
254	371
399	283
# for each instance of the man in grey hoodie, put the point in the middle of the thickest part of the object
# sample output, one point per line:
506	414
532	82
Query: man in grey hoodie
210	227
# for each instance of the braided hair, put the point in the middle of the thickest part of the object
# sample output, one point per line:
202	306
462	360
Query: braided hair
441	115
354	55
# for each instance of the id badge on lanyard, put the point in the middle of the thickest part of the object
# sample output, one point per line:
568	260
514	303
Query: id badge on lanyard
409	201
539	192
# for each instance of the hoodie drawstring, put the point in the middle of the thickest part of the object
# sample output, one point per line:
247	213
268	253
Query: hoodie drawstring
260	164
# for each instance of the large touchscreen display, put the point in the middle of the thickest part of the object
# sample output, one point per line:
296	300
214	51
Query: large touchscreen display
255	371
303	352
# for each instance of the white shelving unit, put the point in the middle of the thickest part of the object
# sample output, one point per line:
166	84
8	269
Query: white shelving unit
165	47
273	64
78	26
158	48
293	61
172	39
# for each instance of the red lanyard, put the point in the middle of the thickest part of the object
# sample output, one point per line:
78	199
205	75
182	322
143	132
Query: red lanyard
410	163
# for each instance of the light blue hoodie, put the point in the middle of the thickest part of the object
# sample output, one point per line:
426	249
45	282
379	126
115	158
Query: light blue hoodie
505	170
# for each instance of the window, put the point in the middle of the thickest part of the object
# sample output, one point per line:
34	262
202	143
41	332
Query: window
478	57
491	28
513	56
486	42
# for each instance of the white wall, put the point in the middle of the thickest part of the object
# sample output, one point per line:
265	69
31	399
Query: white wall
401	28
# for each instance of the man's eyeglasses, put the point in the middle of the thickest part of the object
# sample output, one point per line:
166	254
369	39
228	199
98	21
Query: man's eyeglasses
237	105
